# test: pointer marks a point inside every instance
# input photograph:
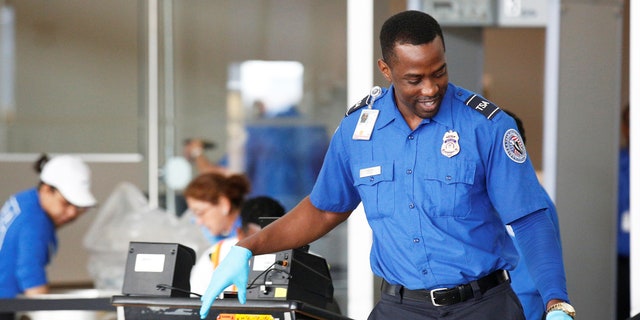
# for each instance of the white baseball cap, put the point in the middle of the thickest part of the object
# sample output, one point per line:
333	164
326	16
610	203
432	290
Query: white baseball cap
72	177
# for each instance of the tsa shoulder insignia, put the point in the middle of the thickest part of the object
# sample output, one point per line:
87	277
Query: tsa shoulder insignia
450	146
514	146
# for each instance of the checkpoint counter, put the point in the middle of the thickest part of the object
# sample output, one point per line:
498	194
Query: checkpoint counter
174	308
67	304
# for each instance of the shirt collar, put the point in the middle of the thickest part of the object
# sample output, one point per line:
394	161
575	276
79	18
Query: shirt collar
389	111
445	114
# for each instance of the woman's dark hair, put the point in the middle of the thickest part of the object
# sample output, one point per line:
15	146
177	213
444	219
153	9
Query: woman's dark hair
39	164
408	27
210	186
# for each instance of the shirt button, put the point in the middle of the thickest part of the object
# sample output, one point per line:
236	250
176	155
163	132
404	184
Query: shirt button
425	271
411	205
448	178
409	171
411	137
371	179
416	240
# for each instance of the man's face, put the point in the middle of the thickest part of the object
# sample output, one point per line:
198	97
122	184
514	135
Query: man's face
419	76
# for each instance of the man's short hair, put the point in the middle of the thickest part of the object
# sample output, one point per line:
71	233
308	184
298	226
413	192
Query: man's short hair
407	27
260	207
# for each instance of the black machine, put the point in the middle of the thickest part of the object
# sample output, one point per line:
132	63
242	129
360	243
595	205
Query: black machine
153	267
291	275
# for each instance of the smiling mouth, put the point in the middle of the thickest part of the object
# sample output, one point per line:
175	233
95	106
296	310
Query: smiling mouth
428	103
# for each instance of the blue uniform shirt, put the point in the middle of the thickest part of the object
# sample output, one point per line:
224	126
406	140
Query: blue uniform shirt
27	243
437	221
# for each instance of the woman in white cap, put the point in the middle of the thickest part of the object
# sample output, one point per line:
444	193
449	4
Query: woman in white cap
29	219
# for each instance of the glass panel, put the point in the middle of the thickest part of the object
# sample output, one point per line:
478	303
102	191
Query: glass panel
209	36
76	77
213	40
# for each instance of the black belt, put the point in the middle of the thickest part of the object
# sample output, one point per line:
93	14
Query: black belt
448	296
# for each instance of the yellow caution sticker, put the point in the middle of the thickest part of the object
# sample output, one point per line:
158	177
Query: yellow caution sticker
238	316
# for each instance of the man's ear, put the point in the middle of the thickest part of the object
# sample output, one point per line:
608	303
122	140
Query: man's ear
384	68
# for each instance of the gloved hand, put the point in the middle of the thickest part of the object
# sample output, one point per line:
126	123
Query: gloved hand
234	269
558	315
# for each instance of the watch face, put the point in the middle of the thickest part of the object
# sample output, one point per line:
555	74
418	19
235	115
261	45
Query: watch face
568	307
564	307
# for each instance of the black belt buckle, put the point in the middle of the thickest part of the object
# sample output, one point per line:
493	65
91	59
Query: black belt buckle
504	276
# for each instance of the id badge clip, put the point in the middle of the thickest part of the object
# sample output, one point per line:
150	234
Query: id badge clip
368	117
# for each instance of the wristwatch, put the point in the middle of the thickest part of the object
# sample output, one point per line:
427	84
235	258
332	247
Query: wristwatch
564	307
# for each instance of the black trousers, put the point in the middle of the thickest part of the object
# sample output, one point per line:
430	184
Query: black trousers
623	289
497	303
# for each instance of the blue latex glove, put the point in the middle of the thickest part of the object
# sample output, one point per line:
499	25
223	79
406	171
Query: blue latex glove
558	315
234	269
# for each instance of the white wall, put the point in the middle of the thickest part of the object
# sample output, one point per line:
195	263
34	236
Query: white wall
587	149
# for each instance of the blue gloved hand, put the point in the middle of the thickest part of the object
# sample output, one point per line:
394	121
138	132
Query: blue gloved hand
234	269
558	315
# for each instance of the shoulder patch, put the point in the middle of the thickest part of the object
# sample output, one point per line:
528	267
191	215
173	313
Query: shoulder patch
488	109
514	146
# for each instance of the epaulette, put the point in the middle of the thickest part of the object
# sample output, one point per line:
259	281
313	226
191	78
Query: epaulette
488	109
357	106
373	95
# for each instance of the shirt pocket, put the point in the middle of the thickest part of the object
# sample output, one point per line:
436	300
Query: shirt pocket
376	187
448	187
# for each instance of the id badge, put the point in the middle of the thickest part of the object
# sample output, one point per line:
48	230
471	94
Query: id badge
365	125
